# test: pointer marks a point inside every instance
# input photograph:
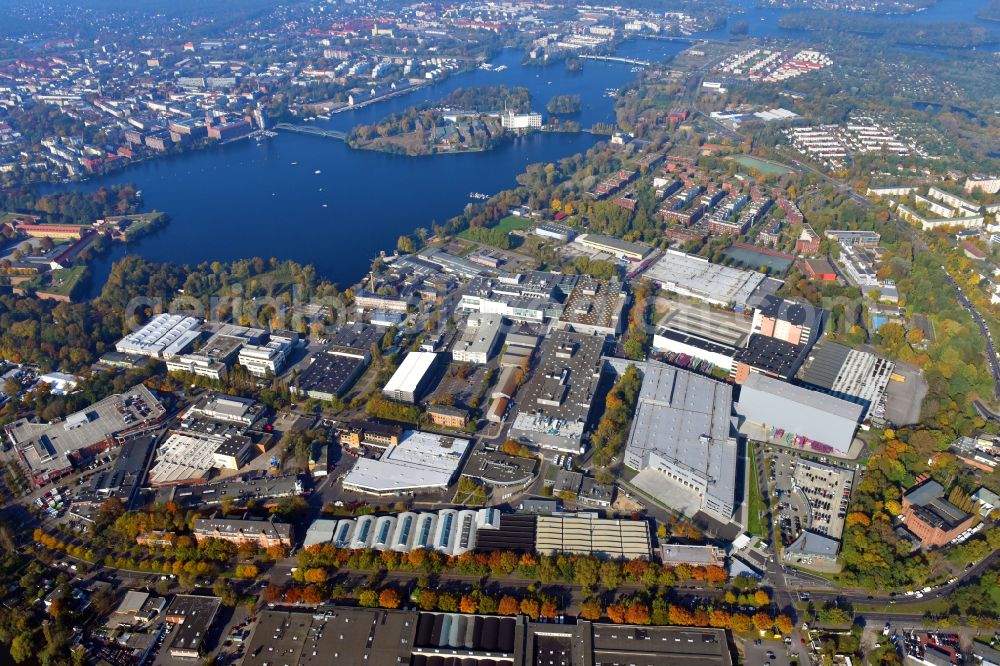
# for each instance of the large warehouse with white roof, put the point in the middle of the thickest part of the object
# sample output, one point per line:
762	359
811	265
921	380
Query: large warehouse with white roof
775	411
696	277
682	440
163	336
410	379
421	461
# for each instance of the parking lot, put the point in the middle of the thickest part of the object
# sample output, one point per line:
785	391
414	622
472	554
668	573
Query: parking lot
828	491
771	653
810	495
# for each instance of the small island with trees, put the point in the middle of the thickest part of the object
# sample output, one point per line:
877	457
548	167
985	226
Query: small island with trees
564	105
467	120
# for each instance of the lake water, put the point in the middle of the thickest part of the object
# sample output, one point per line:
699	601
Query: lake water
247	199
763	22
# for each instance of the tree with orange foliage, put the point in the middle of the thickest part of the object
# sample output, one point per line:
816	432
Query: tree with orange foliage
616	613
248	571
549	609
467	604
508	606
761	598
637	613
388	598
311	595
762	621
719	619
739	622
680	615
316	575
783	623
530	607
293	595
635	569
590	610
715	574
272	593
858	518
416	557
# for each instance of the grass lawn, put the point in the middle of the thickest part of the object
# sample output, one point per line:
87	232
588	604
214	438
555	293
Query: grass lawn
512	223
765	168
755	501
61	282
506	225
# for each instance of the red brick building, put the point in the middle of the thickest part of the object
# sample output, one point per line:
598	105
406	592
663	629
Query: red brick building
930	516
819	268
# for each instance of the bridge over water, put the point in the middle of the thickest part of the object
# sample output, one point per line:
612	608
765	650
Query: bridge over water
309	129
630	61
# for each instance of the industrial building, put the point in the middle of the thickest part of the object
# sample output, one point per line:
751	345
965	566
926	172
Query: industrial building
777	412
812	548
213	433
851	374
192	618
380	637
421	461
263	533
594	307
411	378
356	434
703	333
479	340
125	477
448	416
338	362
556	401
320	531
673	554
782	333
448	531
327	376
696	277
616	247
531	297
682	441
50	450
217	355
555	231
190	456
586	534
268	359
164	336
227	408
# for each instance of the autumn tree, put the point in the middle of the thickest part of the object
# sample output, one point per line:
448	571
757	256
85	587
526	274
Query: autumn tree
427	600
388	598
508	606
616	613
590	610
468	604
530	607
762	621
